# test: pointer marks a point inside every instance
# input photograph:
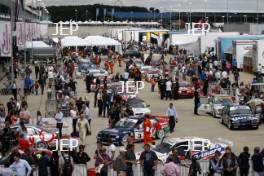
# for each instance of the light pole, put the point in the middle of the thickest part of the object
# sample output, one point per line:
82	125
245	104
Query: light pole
179	5
227	11
76	11
86	15
205	8
190	16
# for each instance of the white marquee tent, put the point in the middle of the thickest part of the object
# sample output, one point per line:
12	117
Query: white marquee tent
73	41
101	41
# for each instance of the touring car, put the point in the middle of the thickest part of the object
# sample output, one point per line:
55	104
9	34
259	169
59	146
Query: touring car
186	90
139	107
133	127
201	148
217	102
239	116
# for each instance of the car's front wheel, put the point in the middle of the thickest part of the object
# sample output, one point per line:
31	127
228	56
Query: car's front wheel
160	134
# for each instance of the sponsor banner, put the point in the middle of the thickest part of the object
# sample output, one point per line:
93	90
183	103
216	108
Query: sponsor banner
28	32
206	155
5	38
20	33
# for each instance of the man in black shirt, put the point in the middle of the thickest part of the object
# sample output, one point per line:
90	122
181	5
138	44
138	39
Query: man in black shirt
82	157
257	161
149	160
43	164
130	159
196	101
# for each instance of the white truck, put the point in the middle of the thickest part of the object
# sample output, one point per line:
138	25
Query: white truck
258	56
240	48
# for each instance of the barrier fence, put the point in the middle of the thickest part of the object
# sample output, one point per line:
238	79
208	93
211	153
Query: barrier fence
81	170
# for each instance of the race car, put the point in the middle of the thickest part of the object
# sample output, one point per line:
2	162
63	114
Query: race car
138	106
186	90
187	147
133	127
217	102
239	116
40	137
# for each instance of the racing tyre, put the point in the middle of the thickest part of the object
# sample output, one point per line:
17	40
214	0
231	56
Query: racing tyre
229	125
160	134
124	139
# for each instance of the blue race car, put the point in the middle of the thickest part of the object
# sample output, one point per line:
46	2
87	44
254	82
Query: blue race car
133	127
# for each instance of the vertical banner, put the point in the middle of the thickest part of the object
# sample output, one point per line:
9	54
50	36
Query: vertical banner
5	43
20	33
28	32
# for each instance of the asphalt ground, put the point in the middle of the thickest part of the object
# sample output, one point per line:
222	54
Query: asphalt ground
189	125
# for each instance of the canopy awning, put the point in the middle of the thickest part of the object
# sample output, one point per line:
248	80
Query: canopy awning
101	41
73	41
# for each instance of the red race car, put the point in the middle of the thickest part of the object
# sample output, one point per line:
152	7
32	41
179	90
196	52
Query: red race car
186	90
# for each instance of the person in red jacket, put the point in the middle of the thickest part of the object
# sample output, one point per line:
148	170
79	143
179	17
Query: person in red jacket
147	130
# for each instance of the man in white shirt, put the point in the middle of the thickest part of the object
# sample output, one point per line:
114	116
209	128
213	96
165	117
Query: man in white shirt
73	114
20	167
168	89
218	75
173	116
87	113
111	149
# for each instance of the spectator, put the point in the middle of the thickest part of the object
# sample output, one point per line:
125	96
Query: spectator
229	163
111	149
194	167
102	160
73	114
36	86
120	163
168	89
43	164
130	159
257	161
66	164
82	157
149	161
170	168
14	90
174	156
243	162
20	167
54	164
215	167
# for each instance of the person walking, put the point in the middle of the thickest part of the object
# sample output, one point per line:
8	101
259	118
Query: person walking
42	83
243	162
168	89
257	162
153	83
172	114
14	90
37	70
83	127
196	100
59	119
73	114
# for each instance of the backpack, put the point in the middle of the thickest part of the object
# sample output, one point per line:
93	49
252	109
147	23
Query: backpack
67	166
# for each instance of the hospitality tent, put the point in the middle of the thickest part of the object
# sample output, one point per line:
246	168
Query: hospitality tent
103	41
73	41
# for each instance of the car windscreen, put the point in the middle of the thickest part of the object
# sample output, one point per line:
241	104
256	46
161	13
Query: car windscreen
240	111
125	124
224	101
163	148
184	84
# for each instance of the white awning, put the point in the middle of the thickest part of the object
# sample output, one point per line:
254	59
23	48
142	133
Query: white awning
73	41
101	41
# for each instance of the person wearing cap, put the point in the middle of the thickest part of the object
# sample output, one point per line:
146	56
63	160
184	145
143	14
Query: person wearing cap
119	164
148	159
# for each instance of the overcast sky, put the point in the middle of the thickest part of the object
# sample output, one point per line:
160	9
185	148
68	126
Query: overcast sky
167	5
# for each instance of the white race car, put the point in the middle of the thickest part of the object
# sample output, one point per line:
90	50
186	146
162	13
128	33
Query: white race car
200	148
